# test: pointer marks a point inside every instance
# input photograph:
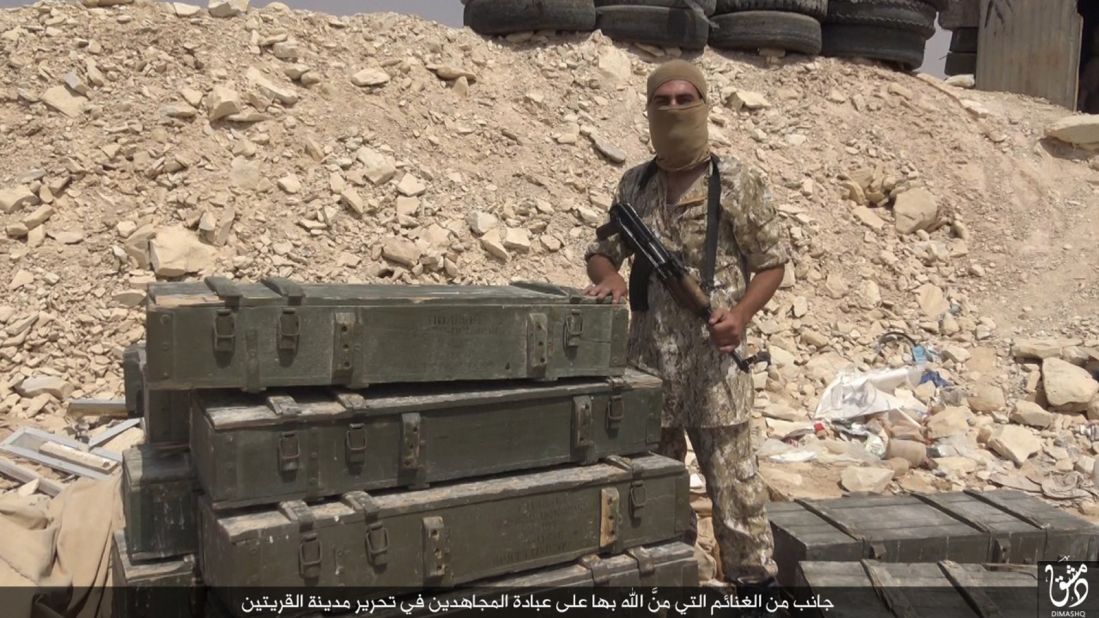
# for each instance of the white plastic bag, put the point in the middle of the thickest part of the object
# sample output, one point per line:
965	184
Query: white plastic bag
853	394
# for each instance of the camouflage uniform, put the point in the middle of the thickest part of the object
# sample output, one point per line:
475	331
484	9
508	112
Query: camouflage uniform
705	393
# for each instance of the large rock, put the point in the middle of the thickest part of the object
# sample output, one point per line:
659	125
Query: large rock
1041	349
932	301
1031	414
223	101
64	101
984	397
227	8
1078	130
955	466
244	173
1015	443
285	94
38	385
915	453
493	243
1068	388
614	67
410	186
401	251
14	198
915	209
746	99
176	251
379	169
370	77
866	480
951	421
482	222
183	9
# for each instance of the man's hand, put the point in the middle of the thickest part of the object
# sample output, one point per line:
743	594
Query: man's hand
612	285
727	329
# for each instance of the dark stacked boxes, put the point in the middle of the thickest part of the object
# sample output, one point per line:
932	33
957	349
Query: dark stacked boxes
395	437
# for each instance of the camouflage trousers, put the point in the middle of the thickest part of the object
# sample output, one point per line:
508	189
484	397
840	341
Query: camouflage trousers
737	492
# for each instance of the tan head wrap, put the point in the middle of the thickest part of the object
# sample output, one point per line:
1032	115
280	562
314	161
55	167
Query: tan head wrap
680	136
677	69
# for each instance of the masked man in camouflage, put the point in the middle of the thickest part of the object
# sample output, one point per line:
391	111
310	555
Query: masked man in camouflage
705	393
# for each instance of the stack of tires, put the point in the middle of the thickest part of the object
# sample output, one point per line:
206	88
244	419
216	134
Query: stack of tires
894	31
664	23
510	16
752	25
963	18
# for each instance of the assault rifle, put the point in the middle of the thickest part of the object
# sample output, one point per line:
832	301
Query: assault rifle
627	224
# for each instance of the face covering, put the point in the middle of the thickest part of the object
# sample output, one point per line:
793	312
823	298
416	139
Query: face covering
681	136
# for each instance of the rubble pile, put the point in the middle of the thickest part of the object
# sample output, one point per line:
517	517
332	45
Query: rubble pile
147	141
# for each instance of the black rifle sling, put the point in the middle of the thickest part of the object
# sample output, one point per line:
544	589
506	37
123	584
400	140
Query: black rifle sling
642	270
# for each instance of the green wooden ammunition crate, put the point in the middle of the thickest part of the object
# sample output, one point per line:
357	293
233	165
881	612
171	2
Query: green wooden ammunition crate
974	527
164	588
166	415
227	335
451	534
158	501
312	443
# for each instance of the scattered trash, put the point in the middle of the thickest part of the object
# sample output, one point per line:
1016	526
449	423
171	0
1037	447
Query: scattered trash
1064	487
61	453
853	394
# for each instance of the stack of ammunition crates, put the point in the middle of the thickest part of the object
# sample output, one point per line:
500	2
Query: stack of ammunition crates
393	437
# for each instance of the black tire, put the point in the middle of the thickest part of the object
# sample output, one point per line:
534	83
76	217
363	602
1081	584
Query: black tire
913	15
961	64
903	47
960	14
964	40
816	8
708	6
507	16
940	5
751	30
654	25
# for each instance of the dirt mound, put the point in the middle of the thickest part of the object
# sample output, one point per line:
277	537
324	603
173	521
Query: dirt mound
141	139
